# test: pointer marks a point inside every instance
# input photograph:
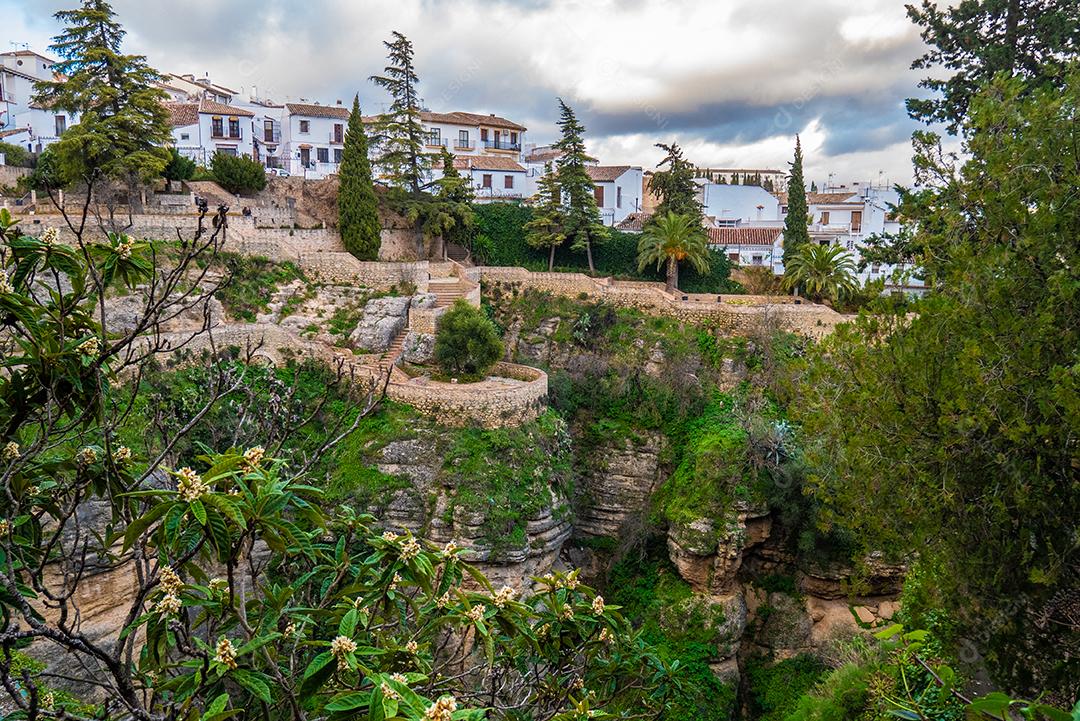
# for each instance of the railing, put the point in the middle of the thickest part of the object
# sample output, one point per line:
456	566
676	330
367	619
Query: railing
336	139
223	136
272	136
460	144
434	142
498	144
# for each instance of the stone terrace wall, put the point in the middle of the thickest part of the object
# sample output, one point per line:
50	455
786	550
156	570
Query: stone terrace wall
732	314
10	174
488	404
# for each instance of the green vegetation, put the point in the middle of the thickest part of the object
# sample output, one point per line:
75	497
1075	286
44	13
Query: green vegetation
252	280
581	222
358	206
545	230
466	343
675	187
822	272
776	688
238	173
669	240
796	230
15	155
179	167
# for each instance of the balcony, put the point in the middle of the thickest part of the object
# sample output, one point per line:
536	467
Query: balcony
272	137
500	144
336	138
433	142
460	144
220	135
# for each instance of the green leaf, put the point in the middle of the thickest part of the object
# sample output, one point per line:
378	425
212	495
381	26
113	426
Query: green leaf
199	511
348	623
887	633
349	701
217	705
254	682
140	524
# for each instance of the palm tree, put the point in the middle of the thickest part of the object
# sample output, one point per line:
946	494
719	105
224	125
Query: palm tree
670	239
822	271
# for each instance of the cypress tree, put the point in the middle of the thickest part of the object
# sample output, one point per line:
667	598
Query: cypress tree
796	231
583	225
358	206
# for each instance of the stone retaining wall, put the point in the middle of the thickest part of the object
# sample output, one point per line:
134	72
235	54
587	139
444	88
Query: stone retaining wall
731	314
488	404
10	174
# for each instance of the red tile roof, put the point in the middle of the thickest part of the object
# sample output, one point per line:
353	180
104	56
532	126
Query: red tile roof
215	108
605	173
487	162
634	221
462	118
13	131
312	110
744	236
823	198
181	114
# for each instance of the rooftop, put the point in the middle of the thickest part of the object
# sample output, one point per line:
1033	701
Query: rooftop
314	110
605	173
744	236
462	118
485	162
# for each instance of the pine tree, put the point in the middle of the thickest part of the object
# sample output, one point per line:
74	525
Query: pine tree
358	206
400	134
545	230
796	231
675	186
123	128
583	225
813	186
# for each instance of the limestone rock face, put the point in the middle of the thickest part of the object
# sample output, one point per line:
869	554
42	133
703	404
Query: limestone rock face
419	348
616	491
123	312
382	320
709	552
836	581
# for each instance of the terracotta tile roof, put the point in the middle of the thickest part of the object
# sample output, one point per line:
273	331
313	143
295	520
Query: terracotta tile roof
605	173
17	73
823	198
181	114
212	107
462	118
487	162
542	155
744	236
634	221
312	110
13	131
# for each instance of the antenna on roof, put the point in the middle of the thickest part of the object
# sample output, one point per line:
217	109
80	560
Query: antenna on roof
20	46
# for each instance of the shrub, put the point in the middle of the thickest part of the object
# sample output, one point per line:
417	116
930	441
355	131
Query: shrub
15	155
467	344
179	167
238	173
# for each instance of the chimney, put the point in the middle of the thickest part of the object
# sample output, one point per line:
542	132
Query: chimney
339	103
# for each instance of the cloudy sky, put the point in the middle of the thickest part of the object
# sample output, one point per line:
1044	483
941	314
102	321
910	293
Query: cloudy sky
732	80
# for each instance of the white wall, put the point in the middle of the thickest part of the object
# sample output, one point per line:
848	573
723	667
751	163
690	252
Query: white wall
739	203
319	135
614	211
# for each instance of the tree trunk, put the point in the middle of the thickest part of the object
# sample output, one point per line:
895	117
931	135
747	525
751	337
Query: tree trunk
672	275
588	252
551	260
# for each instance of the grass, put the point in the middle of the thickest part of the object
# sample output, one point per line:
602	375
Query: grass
253	281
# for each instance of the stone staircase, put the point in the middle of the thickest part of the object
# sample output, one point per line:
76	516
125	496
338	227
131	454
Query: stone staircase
446	290
387	362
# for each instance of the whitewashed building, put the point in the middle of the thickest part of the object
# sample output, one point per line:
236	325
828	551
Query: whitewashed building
749	245
493	178
472	134
732	205
26	123
205	127
617	189
312	139
187	87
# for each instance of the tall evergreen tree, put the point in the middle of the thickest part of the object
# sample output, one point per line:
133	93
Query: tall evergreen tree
1029	39
123	127
796	230
675	186
583	225
399	132
545	230
358	206
448	215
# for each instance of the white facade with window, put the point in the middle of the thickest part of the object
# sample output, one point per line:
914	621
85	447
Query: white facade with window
312	139
617	190
41	126
201	129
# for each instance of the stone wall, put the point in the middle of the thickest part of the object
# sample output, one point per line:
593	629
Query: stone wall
10	174
492	403
731	314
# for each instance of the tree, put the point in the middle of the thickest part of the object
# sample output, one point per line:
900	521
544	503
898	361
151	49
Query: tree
179	167
767	184
950	433
545	230
670	240
399	132
582	223
238	174
796	230
358	206
449	216
813	186
675	186
123	126
15	155
1030	39
467	344
822	271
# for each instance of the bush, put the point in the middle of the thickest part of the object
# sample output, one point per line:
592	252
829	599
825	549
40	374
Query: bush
238	173
15	155
179	167
467	344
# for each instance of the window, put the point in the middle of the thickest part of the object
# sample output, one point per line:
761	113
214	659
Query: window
268	131
486	182
783	208
305	126
305	157
337	155
856	221
756	260
234	127
875	268
272	161
323	154
61	125
513	138
339	133
435	136
733	257
228	151
618	197
824	217
217	128
598	193
463	139
483	134
508	181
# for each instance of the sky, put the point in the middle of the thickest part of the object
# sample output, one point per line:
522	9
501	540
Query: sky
732	81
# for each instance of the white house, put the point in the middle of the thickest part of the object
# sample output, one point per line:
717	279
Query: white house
40	126
749	245
312	139
472	134
205	127
732	205
188	87
266	131
617	189
493	177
